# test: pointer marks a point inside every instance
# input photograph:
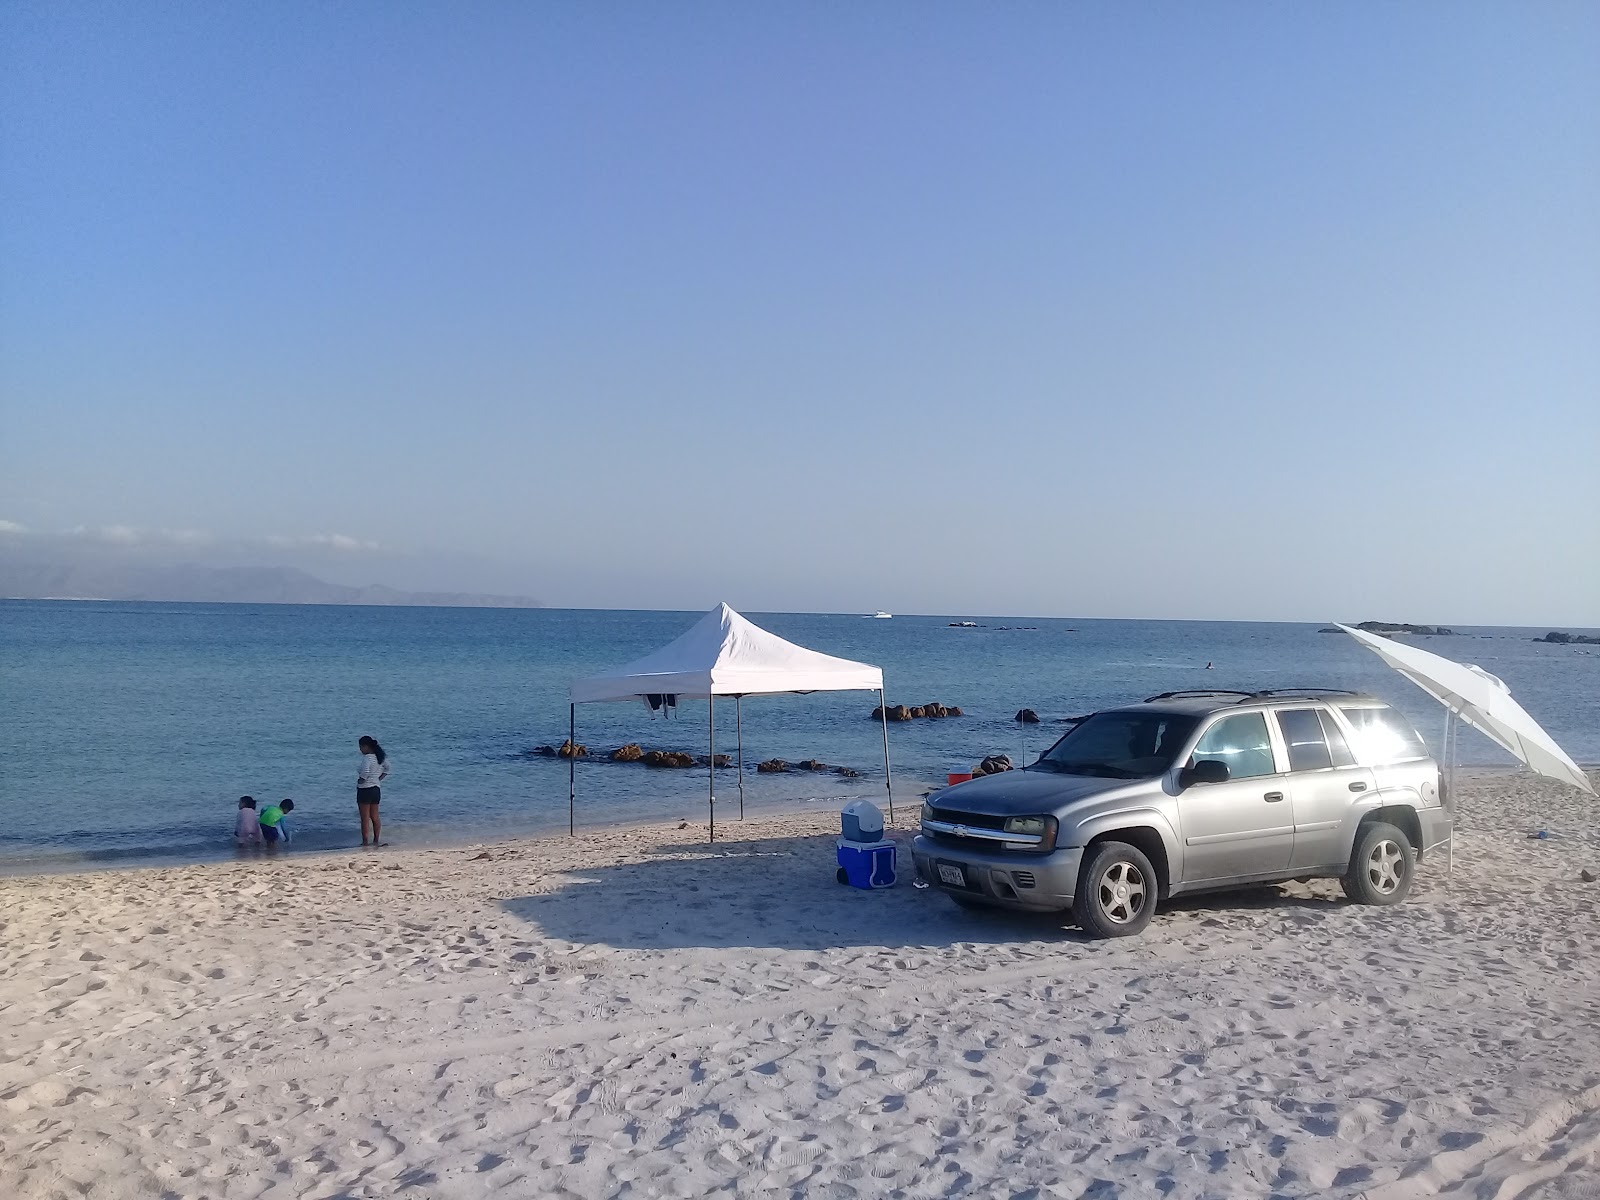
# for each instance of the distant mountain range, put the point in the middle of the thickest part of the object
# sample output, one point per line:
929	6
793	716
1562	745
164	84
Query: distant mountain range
216	585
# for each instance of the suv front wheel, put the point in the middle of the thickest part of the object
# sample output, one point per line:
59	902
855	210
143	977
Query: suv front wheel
1116	894
1382	867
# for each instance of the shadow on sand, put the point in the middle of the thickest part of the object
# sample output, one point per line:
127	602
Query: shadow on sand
781	893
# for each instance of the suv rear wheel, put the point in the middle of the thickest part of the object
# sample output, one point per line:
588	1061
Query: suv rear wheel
1116	891
1382	867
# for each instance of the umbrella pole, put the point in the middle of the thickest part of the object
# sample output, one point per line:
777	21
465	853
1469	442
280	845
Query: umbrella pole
572	769
711	771
1455	735
888	777
738	724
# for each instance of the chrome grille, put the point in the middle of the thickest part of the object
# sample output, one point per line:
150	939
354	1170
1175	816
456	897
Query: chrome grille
975	820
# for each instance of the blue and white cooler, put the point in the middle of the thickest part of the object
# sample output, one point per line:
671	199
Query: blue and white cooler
866	857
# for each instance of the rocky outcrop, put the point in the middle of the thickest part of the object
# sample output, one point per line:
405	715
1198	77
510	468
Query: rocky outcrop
900	712
847	772
1569	639
1028	717
668	758
632	752
773	766
811	764
544	751
1416	630
571	749
993	765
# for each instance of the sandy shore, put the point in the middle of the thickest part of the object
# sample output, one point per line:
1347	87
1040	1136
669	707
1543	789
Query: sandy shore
640	1014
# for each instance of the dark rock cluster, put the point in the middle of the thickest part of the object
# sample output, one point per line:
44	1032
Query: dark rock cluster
901	712
1028	717
681	759
778	766
1569	639
669	758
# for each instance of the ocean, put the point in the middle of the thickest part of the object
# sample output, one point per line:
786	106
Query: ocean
131	729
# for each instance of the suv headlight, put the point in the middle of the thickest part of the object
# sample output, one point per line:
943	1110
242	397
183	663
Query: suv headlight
927	811
1044	828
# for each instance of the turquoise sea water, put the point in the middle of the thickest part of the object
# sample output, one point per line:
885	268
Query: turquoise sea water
130	730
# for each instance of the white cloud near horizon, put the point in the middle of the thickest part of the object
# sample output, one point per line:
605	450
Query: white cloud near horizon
328	541
134	537
131	535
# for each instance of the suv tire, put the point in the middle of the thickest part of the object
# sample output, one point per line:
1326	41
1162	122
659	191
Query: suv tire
1382	867
1116	894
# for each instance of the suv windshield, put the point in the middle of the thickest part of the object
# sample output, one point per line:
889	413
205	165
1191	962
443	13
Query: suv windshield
1120	745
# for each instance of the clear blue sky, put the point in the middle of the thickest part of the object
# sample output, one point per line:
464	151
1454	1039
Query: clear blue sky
1219	310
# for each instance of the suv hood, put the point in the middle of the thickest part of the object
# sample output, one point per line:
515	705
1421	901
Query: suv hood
1025	792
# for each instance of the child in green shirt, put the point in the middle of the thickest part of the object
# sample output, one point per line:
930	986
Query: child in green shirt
273	826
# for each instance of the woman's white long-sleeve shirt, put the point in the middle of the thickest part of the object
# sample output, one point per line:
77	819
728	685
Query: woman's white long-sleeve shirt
372	772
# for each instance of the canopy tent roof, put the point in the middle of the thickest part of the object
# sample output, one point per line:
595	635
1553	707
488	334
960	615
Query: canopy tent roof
725	655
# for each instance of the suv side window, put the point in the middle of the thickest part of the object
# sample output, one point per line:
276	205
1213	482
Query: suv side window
1338	748
1308	744
1383	735
1241	742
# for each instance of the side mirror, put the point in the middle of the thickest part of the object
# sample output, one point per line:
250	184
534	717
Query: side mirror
1207	770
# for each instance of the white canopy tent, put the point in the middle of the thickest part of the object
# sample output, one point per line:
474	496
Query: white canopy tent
723	654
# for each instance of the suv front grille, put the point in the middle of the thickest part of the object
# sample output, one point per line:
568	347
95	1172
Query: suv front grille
972	820
977	820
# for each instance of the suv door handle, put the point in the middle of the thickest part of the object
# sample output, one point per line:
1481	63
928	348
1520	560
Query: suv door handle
1358	787
1273	797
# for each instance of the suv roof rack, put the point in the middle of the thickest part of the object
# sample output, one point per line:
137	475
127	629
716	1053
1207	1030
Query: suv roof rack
1200	692
1310	693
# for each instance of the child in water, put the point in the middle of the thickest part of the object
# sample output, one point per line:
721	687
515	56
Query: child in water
273	827
247	828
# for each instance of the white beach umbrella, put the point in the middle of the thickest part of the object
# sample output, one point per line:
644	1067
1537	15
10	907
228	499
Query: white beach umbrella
1482	701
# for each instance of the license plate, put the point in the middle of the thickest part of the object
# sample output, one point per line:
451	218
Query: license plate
954	876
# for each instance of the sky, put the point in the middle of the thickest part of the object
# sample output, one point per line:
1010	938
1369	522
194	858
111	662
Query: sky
1233	310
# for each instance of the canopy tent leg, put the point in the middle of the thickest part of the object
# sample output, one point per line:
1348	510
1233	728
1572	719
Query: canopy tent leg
888	777
711	771
572	770
738	724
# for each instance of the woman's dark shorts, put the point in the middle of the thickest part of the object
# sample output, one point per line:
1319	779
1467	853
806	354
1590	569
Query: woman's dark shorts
368	795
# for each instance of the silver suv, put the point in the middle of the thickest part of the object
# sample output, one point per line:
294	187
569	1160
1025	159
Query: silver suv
1189	792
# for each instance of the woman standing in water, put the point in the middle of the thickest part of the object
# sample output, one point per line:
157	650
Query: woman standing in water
374	769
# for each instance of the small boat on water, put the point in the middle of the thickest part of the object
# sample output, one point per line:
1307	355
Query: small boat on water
881	616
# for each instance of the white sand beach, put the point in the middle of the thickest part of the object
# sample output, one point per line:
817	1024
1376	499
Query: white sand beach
636	1013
